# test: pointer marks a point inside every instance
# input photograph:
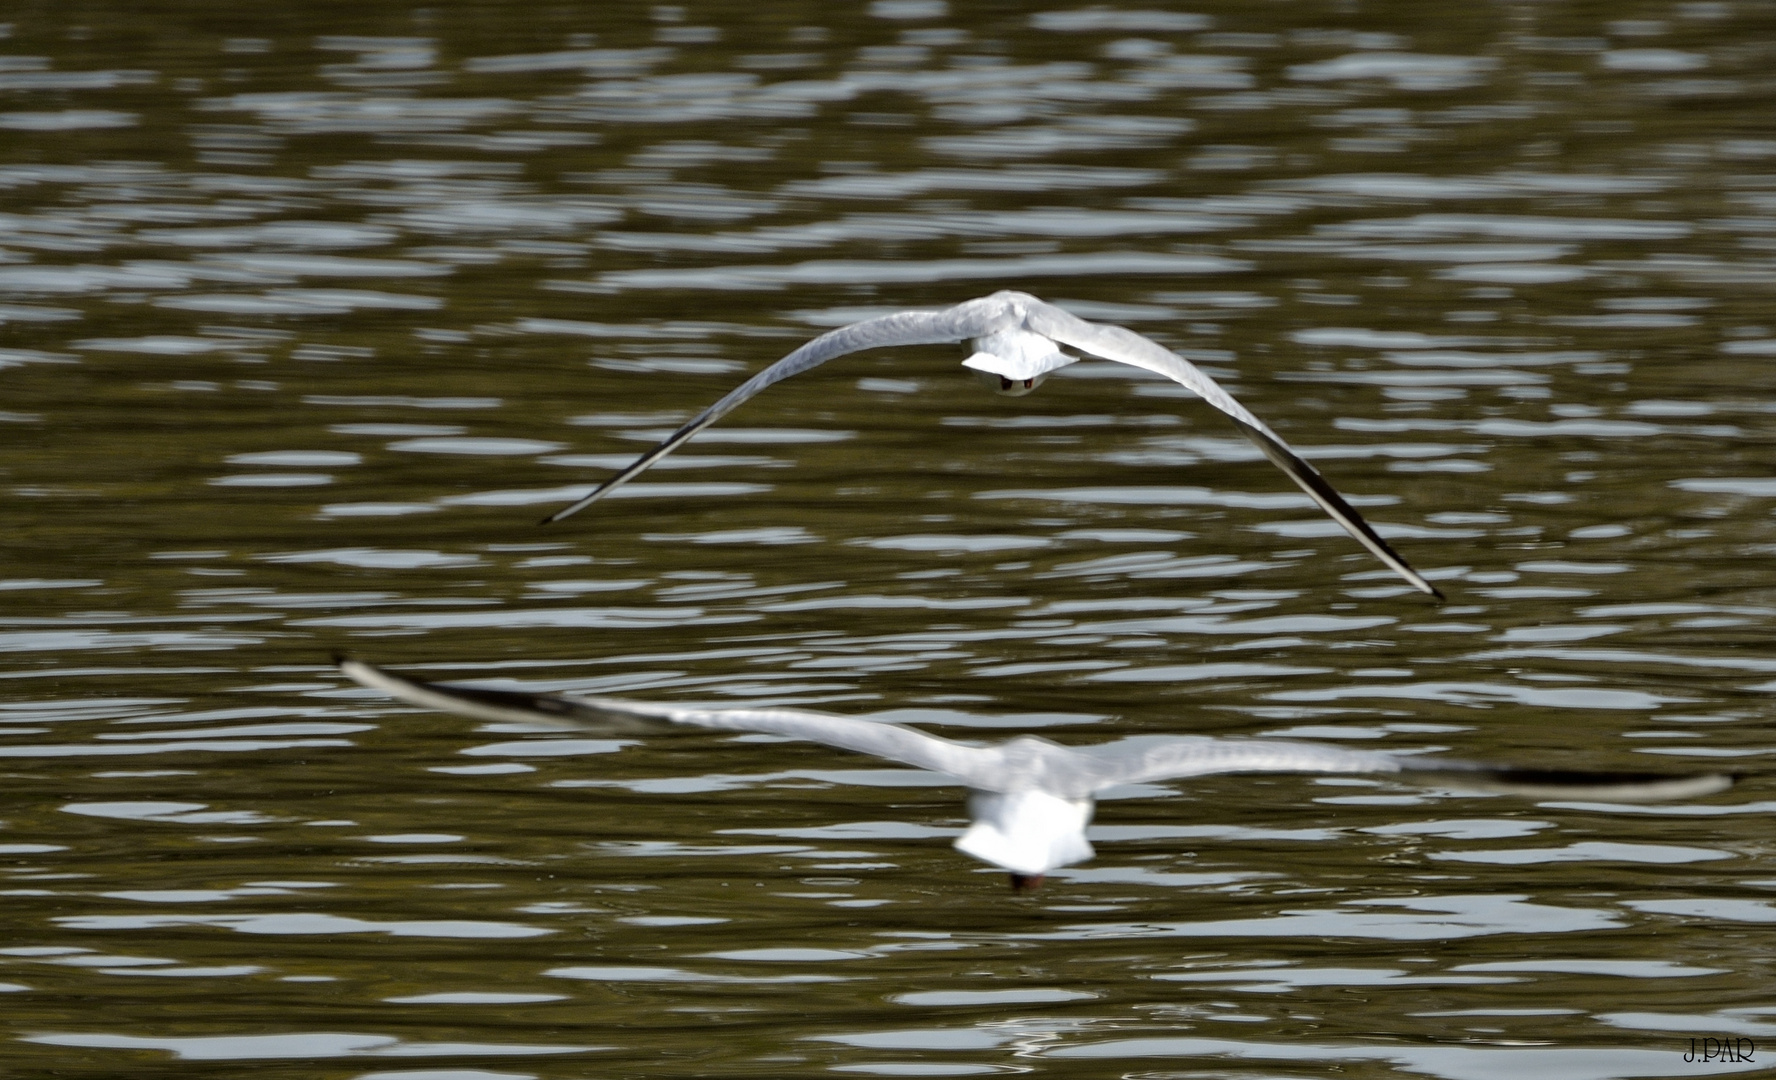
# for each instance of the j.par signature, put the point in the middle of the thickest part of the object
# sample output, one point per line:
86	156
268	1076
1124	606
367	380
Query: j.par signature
1721	1050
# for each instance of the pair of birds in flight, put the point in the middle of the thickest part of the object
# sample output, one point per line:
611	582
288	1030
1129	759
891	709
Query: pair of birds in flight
1031	799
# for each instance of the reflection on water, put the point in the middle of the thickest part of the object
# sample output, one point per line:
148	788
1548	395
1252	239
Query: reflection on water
308	315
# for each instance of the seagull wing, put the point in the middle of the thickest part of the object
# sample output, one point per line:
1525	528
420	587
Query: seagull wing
972	765
1031	763
966	320
1127	347
1187	756
1177	757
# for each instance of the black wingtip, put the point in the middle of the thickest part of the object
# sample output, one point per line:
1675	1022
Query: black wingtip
1571	784
1318	488
566	511
579	504
1577	778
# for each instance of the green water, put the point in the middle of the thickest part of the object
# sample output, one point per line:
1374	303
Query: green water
308	314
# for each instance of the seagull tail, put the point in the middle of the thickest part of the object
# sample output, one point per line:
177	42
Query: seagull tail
1026	832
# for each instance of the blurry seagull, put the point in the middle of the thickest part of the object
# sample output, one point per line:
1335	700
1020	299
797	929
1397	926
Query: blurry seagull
1016	340
1030	799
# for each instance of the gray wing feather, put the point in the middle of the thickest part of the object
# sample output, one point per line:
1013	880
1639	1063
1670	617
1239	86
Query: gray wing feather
976	766
1192	755
970	319
1177	758
1127	347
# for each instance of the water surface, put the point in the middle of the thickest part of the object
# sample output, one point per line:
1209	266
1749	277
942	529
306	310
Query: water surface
309	314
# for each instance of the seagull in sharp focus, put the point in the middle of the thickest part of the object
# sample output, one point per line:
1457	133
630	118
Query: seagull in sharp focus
1030	799
1017	342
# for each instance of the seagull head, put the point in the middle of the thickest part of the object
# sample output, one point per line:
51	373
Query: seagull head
1027	832
1014	362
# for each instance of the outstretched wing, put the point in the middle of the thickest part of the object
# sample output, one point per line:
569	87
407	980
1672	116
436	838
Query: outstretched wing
908	746
970	319
1176	757
1127	347
1186	756
1027	762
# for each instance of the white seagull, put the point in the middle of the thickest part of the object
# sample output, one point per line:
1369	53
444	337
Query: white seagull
1016	340
1030	799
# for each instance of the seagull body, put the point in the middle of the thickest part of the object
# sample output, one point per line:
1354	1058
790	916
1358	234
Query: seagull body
1017	343
1031	799
1015	362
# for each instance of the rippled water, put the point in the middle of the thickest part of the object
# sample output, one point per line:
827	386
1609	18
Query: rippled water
310	313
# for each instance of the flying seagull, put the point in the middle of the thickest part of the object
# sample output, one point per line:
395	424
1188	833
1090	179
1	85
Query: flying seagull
1017	342
1030	799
